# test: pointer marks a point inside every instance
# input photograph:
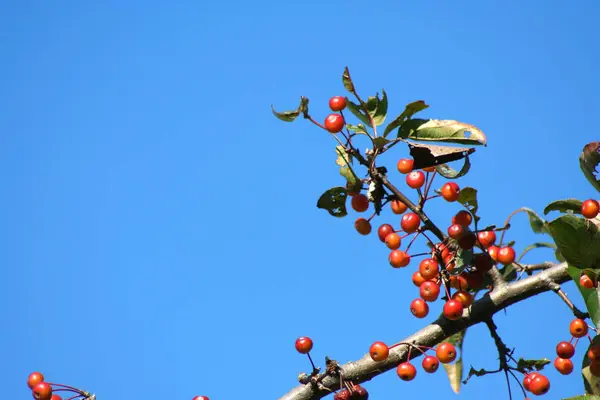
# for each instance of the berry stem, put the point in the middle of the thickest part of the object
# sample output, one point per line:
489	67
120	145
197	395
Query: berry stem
66	387
311	362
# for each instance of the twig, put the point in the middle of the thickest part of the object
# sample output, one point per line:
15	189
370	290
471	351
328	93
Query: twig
576	311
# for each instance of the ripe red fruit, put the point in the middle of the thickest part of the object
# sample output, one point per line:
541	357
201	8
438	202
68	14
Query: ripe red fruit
462	218
465	298
57	397
586	281
565	350
429	268
429	169
34	378
456	231
42	391
360	203
450	191
506	255
590	208
379	351
337	103
578	328
453	309
410	222
398	207
406	371
360	393
383	231
594	353
493	252
334	123
486	238
417	279
195	398
563	365
539	385
398	259
415	179
483	262
393	241
446	353
362	226
449	263
458	282
527	380
467	241
429	291
419	308
430	364
405	165
343	394
304	344
440	249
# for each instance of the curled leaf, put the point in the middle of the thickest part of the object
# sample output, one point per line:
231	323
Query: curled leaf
577	240
468	198
449	131
589	161
538	225
347	81
410	110
334	201
455	370
568	205
531	365
290	116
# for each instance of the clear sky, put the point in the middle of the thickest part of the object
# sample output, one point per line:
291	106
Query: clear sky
159	231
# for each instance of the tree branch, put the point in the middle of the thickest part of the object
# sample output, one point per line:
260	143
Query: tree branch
431	335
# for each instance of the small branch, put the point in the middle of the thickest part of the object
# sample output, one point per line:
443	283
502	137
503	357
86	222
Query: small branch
497	278
482	310
529	268
576	311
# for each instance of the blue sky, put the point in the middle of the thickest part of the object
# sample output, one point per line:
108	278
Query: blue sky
160	235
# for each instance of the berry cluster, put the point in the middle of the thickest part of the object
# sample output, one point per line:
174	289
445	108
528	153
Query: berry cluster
42	390
566	350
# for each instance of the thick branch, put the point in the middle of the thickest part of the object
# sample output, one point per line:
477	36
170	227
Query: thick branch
482	310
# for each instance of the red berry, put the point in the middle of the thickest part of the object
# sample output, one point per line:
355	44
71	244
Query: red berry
594	353
458	282
362	226
406	371
304	345
398	207
429	291
430	364
446	353
462	218
337	103
417	279
453	309
539	385
563	365
34	378
440	249
456	231
415	179
410	222
360	203
57	397
527	380
379	351
398	259
450	191
565	350
506	255
197	398
590	208
383	231
586	281
465	298
42	391
493	252
467	241
486	238
334	123
405	165
578	328
360	393
419	308
393	241
429	268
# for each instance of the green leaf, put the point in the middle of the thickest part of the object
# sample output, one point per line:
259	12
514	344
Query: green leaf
410	110
468	198
590	382
572	205
360	129
578	240
379	142
589	161
591	297
559	257
344	160
334	201
476	372
538	225
450	173
380	111
455	370
358	112
508	272
441	131
536	245
290	116
531	365
347	81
